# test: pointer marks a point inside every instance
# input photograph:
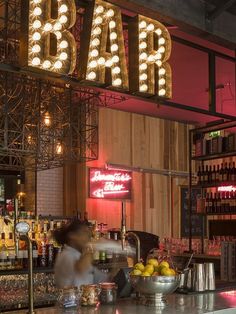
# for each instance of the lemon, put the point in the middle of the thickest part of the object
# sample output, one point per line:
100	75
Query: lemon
145	274
164	263
173	271
149	269
136	272
153	262
166	271
139	266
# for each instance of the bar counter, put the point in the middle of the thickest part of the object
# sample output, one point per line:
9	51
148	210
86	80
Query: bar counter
215	302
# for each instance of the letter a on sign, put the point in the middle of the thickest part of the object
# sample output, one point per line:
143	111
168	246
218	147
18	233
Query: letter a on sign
102	46
47	44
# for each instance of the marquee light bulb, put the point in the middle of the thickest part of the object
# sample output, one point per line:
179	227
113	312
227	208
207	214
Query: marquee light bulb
150	27
115	59
93	64
99	9
37	1
162	71
142	24
116	70
143	66
142	35
162	81
37	24
63	44
59	35
157	56
57	26
58	65
110	13
98	20
143	45
37	11
91	76
143	77
117	82
46	64
36	36
143	56
162	92
158	31
112	24
161	41
63	8
108	63
94	53
101	61
114	47
161	49
36	48
95	42
63	19
96	31
36	61
151	58
63	56
113	36
47	27
159	63
59	149
143	88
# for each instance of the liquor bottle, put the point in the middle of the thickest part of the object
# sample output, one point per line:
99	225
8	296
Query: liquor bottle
227	209
42	251
225	173
231	202
50	252
214	203
210	175
202	175
199	175
3	253
11	251
218	174
35	250
218	209
206	176
234	202
233	173
213	175
102	257
207	203
221	173
210	203
223	202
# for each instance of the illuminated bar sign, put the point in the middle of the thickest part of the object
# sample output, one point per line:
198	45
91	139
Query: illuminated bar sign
110	184
47	44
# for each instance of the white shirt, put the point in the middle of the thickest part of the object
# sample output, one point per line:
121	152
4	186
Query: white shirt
66	274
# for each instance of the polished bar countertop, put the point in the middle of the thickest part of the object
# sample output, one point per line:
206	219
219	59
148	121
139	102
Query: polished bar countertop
215	302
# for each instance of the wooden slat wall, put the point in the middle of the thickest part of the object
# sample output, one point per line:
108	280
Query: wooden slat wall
141	141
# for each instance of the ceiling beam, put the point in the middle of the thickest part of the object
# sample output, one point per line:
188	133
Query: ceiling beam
220	9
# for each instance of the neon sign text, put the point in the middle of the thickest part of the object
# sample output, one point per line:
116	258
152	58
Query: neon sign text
228	188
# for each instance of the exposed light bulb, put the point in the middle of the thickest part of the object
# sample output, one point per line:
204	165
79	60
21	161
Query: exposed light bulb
151	58
110	13
158	31
98	20
143	56
143	88
114	47
142	24
58	65
150	27
112	24
95	42
36	61
116	70
36	48
101	61
57	26
94	53
59	149
63	8
158	56
143	77
46	64
159	63
37	24
47	27
63	56
36	36
91	76
47	118
96	31
142	35
93	64
162	81
37	11
143	45
108	63
117	82
58	34
115	59
143	66
162	92
63	44
37	1
99	9
161	41
161	49
113	36
162	71
63	19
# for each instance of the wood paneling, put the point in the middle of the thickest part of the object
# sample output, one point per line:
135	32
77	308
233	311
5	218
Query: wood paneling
141	141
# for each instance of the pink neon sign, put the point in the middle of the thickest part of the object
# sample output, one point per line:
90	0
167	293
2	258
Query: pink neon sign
109	184
228	188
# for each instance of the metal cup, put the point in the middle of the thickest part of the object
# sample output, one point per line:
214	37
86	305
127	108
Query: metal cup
198	277
209	276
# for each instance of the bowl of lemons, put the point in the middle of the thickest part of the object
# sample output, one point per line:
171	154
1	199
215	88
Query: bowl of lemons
154	280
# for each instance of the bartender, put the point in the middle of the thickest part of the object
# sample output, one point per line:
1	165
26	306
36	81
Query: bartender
73	266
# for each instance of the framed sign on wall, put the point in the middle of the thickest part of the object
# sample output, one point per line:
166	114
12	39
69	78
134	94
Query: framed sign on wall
110	184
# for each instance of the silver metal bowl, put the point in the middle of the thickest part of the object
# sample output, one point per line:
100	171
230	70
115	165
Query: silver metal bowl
154	288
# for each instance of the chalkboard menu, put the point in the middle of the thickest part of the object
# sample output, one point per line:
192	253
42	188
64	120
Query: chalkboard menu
198	226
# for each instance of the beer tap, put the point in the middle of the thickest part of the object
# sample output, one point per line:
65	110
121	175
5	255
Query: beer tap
125	234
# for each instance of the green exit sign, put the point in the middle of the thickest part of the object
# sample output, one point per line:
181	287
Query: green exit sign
214	134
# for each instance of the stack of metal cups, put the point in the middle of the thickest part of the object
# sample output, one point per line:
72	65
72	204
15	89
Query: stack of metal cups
203	277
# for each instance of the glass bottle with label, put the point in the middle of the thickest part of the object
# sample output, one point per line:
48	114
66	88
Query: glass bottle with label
35	250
